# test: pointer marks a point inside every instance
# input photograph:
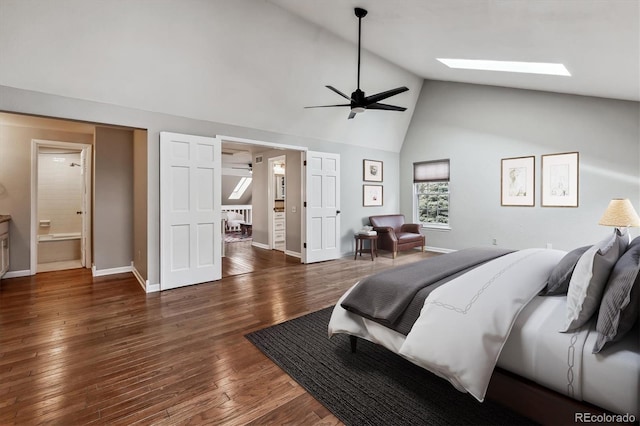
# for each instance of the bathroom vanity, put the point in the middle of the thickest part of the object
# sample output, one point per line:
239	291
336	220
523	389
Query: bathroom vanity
4	244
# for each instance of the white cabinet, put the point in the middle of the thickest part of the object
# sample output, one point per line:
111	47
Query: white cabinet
279	230
4	247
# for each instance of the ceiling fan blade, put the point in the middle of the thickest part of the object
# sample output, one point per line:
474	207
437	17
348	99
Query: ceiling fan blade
386	107
351	115
339	92
384	95
327	106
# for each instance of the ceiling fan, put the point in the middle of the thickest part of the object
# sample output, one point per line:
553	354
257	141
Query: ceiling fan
358	101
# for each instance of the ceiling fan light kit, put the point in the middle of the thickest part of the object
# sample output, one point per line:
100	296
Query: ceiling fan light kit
358	101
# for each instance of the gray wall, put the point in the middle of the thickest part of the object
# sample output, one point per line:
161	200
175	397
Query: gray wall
353	214
15	176
476	126
113	237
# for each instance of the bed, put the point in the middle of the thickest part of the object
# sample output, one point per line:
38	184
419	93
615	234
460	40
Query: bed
478	310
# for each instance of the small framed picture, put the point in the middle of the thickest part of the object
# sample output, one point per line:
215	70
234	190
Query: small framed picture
371	195
560	180
372	171
517	184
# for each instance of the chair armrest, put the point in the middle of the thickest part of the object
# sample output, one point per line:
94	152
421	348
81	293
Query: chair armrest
384	229
386	232
413	228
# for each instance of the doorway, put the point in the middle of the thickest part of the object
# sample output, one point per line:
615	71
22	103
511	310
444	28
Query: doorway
60	212
277	203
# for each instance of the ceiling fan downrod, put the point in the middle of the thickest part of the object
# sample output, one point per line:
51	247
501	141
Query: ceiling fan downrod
360	13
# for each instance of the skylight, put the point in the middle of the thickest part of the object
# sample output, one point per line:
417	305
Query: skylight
242	186
507	66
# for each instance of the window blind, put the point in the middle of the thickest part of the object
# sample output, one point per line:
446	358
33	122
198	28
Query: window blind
431	171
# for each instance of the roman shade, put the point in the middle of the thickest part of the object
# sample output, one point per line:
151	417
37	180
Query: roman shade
431	171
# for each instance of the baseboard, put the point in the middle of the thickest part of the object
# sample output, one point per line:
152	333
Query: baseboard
260	245
153	288
17	274
144	283
111	271
438	249
293	254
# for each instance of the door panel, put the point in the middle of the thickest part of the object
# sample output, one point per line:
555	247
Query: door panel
322	234
190	186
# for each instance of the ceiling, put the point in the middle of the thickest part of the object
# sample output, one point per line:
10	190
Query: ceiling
597	40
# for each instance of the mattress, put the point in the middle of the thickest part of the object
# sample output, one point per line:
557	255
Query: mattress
564	362
537	351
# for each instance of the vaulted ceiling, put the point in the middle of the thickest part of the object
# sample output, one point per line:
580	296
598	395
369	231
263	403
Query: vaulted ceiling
597	40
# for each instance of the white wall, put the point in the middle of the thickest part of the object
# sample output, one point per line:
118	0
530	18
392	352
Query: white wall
242	62
477	126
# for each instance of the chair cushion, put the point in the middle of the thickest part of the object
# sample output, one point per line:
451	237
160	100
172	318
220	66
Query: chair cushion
408	237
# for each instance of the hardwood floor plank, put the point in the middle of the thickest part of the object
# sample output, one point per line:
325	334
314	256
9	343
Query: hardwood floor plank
77	349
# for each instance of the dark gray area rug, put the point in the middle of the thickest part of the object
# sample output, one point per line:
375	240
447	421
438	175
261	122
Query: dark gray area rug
373	386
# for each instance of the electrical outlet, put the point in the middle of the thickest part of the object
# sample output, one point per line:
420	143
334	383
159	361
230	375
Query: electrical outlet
293	209
494	241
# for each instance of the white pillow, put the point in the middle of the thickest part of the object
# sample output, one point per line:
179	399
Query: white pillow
589	279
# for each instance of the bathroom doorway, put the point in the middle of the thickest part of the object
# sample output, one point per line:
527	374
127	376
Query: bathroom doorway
60	200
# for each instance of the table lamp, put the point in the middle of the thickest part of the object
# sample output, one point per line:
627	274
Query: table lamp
621	214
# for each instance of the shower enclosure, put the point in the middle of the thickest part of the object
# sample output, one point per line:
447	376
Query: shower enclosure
60	205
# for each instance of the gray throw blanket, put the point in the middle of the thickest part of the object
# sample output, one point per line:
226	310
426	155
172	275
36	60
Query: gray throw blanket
383	297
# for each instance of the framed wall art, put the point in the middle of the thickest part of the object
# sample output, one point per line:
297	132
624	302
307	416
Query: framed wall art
371	195
372	171
517	181
560	179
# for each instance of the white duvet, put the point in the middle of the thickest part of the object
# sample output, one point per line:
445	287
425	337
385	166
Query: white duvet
464	324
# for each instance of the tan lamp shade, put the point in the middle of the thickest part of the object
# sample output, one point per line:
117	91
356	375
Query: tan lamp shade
620	213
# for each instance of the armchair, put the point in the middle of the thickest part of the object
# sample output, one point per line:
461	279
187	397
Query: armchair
395	235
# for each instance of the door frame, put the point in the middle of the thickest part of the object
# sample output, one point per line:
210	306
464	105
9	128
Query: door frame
302	177
86	237
304	149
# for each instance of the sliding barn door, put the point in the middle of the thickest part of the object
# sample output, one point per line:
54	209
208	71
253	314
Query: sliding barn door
322	180
190	231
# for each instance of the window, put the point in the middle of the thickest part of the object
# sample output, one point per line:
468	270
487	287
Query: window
242	186
431	189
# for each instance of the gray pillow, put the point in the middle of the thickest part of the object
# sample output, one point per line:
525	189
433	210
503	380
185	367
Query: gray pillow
589	278
558	281
619	307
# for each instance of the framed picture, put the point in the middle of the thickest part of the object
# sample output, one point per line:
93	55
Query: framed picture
371	195
517	181
372	171
560	180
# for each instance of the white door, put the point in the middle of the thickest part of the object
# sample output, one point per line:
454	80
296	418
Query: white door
322	180
190	237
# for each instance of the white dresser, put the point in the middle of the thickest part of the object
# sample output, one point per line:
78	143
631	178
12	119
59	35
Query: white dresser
279	230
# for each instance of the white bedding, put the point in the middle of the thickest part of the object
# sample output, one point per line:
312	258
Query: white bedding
536	350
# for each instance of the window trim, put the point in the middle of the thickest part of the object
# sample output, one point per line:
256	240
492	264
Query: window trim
431	225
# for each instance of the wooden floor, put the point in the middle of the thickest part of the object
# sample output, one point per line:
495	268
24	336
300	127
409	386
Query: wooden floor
81	350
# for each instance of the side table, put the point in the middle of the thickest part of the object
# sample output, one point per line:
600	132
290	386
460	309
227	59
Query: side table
373	244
